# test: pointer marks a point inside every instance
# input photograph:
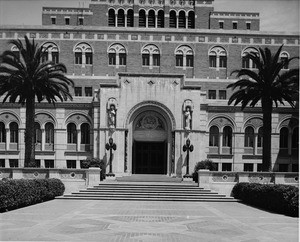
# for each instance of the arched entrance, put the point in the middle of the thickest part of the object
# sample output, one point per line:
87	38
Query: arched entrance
150	141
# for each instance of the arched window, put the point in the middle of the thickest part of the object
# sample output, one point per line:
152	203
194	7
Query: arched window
2	133
214	136
249	137
182	20
116	55
72	133
51	53
217	57
83	54
16	51
130	18
142	18
284	56
37	133
246	62
151	19
49	129
295	138
150	56
85	133
173	20
227	137
184	56
111	18
121	18
284	138
191	20
14	132
161	19
260	137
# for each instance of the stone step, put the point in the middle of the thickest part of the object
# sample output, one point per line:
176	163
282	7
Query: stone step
149	178
153	193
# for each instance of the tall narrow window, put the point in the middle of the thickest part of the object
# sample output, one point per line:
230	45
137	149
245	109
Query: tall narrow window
248	26
80	21
121	18
2	133
182	20
179	59
85	133
249	137
295	138
156	60
122	58
78	91
260	137
212	94
146	59
221	25
88	91
67	21
111	18
173	19
53	20
214	136
284	138
72	133
191	20
234	25
14	132
38	133
227	137
151	19
284	56
142	18
49	130
78	58
161	19
112	59
89	58
130	18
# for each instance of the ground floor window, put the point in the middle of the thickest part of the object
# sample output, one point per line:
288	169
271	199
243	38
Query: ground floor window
71	164
49	163
248	167
13	163
226	166
2	162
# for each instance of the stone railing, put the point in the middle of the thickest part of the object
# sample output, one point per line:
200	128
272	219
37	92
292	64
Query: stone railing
224	181
73	179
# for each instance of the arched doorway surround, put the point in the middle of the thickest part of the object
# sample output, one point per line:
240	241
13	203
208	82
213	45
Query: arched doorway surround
150	125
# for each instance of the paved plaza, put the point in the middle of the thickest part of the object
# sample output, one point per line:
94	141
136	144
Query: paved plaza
83	220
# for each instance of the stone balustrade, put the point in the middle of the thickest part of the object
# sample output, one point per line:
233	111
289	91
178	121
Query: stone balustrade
224	181
73	179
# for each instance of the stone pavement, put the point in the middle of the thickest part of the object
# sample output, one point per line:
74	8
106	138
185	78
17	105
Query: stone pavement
83	220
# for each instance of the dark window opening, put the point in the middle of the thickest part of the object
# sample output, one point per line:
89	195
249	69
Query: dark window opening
130	21
78	91
182	20
212	94
67	21
179	60
234	25
146	59
121	18
221	25
191	20
248	167
111	18
190	61
112	59
212	61
161	19
172	20
78	58
142	18
89	58
156	60
122	59
88	91
222	94
226	166
49	163
71	164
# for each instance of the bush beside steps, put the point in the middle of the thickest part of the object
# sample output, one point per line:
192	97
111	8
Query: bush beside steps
24	192
277	198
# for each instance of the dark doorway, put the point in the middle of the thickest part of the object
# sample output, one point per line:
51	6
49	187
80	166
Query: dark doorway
149	158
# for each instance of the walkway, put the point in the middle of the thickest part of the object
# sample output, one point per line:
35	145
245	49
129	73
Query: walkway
74	220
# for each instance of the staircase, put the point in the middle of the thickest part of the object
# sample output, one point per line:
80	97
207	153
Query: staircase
148	191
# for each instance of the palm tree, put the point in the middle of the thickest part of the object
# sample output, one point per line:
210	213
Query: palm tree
269	84
24	78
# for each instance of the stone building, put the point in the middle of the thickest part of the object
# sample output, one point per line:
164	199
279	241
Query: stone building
150	74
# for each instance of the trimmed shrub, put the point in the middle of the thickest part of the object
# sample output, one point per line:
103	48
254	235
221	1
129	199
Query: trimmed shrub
204	164
24	192
276	198
95	162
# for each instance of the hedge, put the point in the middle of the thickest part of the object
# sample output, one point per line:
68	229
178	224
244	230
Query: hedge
276	198
24	192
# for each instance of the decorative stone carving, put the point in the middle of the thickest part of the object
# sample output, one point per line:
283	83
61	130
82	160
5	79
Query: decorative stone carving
112	107
188	108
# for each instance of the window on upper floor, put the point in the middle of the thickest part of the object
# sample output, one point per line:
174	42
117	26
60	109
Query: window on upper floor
214	136
49	130
50	52
71	133
284	138
117	55
78	91
130	18
2	133
260	137
151	19
217	57
247	63
182	20
248	166
173	19
38	133
67	21
53	20
83	54
80	21
88	91
212	94
248	26
284	56
234	25
121	18
221	25
150	56
111	18
142	18
222	94
85	133
249	137
14	132
227	136
161	19
184	56
191	20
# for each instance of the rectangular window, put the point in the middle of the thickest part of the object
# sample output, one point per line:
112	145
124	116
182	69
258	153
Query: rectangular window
71	164
248	167
80	21
112	59
212	61
248	26
226	166
222	94
295	168
89	58
156	60
221	25
53	20
49	163
13	163
283	168
245	62
122	59
44	56
234	25
190	61
212	94
259	167
179	60
67	21
38	163
78	91
2	162
223	61
55	58
88	91
145	59
78	58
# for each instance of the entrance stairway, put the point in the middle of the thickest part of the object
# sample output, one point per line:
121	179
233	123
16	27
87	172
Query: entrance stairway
148	191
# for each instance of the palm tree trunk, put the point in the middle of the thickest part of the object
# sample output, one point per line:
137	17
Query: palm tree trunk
267	134
29	133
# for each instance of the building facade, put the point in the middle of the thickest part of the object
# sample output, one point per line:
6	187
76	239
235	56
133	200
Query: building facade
150	74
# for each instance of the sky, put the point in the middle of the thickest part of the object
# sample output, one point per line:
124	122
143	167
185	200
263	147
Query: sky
276	15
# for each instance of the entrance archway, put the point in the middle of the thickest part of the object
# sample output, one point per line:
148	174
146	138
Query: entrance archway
149	141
